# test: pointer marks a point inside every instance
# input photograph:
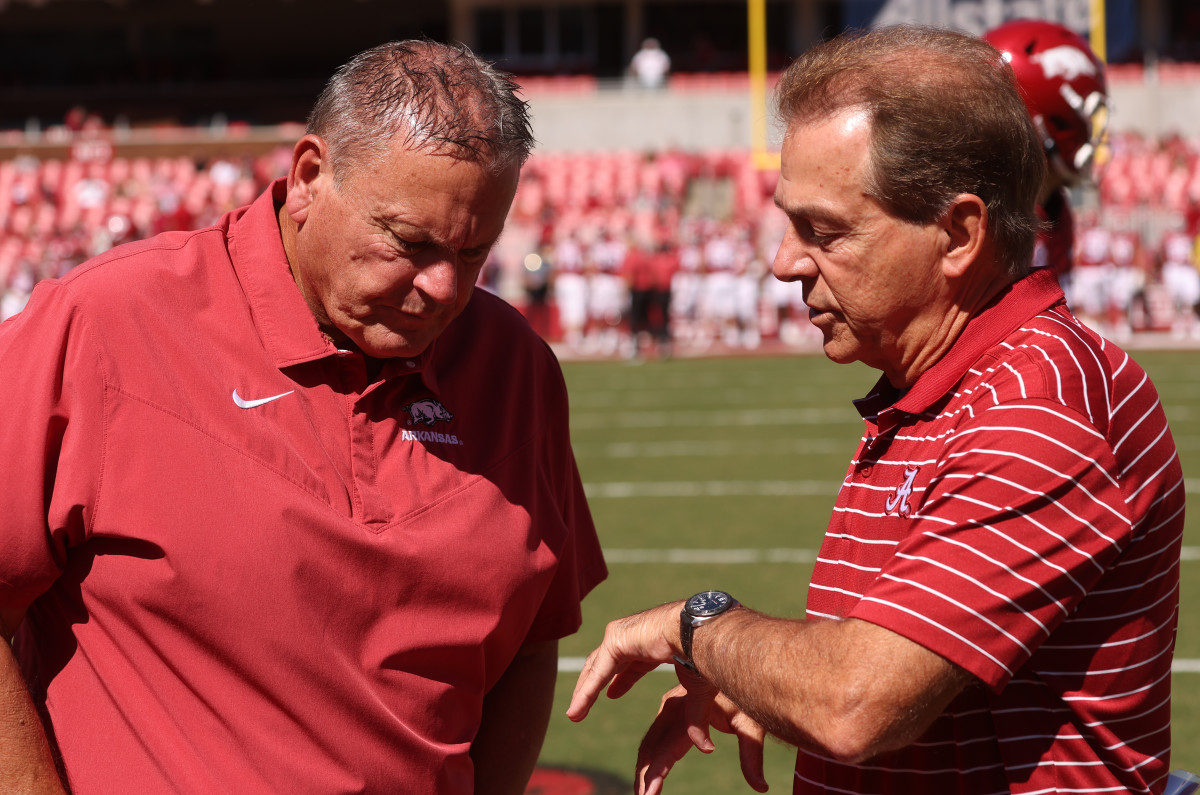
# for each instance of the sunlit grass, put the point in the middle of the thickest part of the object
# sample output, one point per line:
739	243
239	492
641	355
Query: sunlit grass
760	444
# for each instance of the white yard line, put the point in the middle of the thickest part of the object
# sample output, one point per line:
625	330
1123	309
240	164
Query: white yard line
749	555
710	555
737	488
713	448
714	488
742	556
573	665
727	417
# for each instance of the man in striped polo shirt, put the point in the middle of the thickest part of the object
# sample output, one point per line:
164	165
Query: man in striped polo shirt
994	606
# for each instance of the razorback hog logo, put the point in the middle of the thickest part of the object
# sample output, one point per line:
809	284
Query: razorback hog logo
1065	62
427	412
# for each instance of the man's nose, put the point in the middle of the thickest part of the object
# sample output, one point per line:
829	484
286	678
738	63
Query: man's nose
793	261
439	280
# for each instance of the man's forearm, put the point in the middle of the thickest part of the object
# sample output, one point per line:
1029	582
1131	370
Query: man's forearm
847	688
515	715
26	765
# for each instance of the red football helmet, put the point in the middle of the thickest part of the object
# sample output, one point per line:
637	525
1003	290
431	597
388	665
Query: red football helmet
1063	84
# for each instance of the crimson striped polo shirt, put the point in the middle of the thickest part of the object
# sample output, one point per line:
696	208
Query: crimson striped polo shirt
1019	511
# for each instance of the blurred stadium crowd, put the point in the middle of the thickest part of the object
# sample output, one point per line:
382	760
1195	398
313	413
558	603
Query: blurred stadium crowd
619	253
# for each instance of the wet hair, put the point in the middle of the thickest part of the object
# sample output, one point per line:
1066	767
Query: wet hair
946	118
428	95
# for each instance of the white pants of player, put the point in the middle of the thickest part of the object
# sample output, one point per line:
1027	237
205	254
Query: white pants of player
1182	281
607	298
720	296
570	296
1124	284
685	294
1090	289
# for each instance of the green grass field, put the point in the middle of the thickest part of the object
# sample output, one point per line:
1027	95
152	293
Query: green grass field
745	455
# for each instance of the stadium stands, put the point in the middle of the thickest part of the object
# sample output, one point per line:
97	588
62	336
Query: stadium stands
88	189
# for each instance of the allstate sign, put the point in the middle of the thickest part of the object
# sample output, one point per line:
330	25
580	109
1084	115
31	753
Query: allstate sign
979	16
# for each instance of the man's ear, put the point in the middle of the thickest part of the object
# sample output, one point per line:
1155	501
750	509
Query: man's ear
310	161
964	224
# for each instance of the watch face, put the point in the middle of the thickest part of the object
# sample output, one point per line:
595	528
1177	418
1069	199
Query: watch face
708	603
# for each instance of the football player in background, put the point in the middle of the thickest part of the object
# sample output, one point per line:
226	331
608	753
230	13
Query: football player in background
1064	87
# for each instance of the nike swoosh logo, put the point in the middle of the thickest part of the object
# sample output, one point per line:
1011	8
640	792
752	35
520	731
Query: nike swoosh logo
242	403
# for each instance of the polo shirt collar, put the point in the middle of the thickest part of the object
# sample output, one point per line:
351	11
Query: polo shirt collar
285	324
1015	305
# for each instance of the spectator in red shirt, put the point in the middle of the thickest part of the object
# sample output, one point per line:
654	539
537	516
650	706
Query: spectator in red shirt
648	270
664	263
994	606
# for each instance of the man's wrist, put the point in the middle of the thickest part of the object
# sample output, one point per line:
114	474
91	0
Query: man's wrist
700	609
688	664
670	631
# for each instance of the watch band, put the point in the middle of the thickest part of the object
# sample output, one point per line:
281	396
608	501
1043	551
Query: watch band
688	664
685	642
697	611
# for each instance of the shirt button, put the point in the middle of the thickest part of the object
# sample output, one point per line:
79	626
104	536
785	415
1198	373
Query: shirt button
865	471
410	364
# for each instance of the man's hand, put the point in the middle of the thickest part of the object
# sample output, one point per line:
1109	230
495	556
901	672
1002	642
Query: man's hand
638	644
632	647
847	689
683	720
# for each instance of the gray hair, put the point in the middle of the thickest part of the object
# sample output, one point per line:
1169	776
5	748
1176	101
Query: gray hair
428	95
946	118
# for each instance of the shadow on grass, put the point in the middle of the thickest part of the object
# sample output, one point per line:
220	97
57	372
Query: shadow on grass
565	781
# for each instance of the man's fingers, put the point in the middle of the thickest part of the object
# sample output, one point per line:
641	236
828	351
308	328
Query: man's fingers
682	723
631	647
665	744
598	669
624	681
697	707
750	751
729	718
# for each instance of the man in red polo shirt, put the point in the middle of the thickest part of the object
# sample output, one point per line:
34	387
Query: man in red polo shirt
289	507
994	606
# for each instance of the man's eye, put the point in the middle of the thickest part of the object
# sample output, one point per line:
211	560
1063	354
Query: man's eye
474	255
806	231
823	238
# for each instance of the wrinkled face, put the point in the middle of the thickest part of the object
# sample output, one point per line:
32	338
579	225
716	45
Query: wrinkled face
871	280
390	257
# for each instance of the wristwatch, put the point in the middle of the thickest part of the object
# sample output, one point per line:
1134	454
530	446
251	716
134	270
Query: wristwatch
697	611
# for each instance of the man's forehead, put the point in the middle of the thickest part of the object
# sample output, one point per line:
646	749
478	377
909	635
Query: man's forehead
850	122
831	152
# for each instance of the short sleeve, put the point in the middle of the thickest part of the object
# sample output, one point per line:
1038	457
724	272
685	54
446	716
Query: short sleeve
51	440
581	564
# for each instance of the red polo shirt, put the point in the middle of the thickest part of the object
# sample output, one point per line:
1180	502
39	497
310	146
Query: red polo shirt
251	569
1019	511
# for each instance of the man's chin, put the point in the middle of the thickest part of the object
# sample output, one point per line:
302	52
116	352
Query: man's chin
837	351
409	350
395	345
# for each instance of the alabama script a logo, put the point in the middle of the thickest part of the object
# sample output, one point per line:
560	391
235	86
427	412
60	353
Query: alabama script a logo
898	502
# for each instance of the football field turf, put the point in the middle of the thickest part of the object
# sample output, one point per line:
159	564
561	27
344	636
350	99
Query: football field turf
721	473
